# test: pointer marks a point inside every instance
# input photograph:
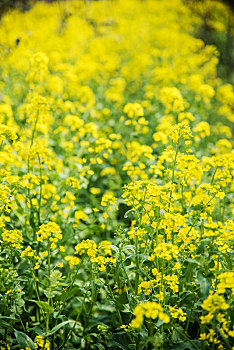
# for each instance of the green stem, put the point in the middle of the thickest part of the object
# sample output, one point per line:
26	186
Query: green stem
173	172
202	210
40	194
118	312
47	313
137	265
76	320
113	298
21	322
212	180
70	287
223	208
49	260
34	129
189	317
130	285
186	337
224	339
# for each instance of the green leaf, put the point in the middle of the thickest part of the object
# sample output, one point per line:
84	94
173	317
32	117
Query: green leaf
31	219
189	271
187	346
129	247
204	285
30	288
118	271
193	261
228	261
9	318
24	340
127	261
115	345
5	324
94	290
232	314
199	207
123	298
128	212
159	323
116	249
60	325
44	305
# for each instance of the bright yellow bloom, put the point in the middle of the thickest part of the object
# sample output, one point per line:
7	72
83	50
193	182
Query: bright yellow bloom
149	309
49	232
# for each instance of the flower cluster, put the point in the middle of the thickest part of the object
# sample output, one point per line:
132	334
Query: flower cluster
148	309
14	237
50	232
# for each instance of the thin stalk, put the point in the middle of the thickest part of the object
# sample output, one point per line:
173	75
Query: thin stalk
129	282
213	177
173	172
49	256
40	193
118	312
224	339
34	129
76	320
137	266
70	287
67	295
189	317
186	337
47	313
21	321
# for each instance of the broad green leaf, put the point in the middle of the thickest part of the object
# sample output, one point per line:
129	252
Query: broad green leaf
94	290
5	324
59	326
44	306
187	346
24	340
115	345
193	261
204	285
229	261
128	212
123	298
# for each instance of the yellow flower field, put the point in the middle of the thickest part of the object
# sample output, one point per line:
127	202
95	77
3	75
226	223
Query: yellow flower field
116	193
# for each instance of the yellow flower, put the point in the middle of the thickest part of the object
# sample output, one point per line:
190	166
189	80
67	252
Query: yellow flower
178	313
179	131
14	237
42	343
72	260
51	232
202	336
149	309
73	182
104	246
86	247
133	110
226	280
80	215
95	190
213	303
37	266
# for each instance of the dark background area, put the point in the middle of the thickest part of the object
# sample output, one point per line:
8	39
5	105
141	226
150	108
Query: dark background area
224	41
